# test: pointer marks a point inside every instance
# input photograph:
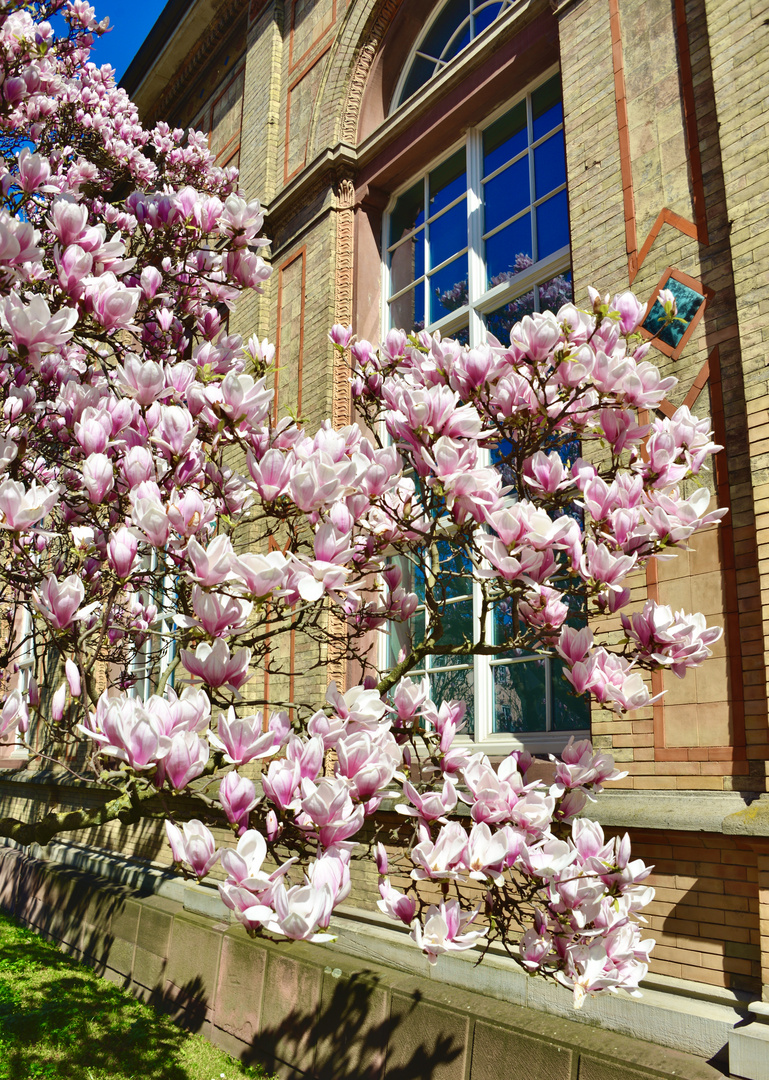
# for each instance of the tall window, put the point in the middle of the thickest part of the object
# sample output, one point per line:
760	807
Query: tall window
473	244
457	24
482	237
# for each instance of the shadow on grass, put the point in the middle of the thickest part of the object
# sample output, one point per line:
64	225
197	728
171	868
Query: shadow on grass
59	1020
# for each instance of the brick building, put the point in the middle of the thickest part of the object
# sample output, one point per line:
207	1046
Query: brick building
453	164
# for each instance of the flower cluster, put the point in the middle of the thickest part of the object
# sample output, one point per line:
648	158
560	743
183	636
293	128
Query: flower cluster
159	520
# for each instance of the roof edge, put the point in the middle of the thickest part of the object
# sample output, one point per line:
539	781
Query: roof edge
153	44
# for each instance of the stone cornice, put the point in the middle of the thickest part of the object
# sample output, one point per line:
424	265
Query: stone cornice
328	168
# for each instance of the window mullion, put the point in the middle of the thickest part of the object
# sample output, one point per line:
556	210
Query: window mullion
532	189
475	263
428	267
482	675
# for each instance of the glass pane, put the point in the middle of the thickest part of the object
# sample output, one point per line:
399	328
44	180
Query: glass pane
500	321
505	249
455	573
455	684
485	15
422	71
418	626
552	225
407	262
570	712
407	213
403	637
556	292
505	138
519	697
452	570
447	22
458	42
408	311
549	164
448	288
457	625
462	335
502	460
504	627
448	233
507	194
546	106
688	302
447	182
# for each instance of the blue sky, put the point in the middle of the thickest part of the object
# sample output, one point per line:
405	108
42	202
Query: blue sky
131	21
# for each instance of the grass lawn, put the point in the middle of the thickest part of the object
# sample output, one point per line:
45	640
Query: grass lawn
60	1021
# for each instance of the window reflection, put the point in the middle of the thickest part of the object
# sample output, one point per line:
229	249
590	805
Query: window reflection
509	251
506	194
552	225
520	696
448	233
407	213
448	288
546	107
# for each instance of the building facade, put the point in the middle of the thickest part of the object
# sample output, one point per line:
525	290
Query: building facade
454	164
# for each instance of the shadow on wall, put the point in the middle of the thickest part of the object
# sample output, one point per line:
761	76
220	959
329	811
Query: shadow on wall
266	1007
353	1034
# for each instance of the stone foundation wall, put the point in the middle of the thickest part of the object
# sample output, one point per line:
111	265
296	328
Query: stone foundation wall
309	1010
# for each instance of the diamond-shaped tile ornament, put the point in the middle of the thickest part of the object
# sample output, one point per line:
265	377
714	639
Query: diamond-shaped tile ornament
690	296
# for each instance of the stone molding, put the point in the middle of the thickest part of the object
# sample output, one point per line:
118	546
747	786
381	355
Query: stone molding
376	31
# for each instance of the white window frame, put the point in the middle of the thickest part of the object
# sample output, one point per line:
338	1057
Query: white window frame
26	665
162	629
480	302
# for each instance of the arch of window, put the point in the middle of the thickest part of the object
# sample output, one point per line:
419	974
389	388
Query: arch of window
457	23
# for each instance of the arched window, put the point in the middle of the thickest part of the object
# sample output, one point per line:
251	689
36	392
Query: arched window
457	23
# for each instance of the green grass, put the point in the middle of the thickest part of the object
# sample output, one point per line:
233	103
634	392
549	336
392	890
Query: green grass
60	1021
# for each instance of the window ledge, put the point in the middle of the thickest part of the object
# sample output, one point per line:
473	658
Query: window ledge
684	811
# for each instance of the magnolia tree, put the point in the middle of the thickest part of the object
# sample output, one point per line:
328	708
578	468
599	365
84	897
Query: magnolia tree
159	524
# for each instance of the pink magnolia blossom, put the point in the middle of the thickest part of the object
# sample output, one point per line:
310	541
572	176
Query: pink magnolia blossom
33	328
238	797
194	846
23	508
396	904
185	759
98	477
59	601
13	714
122	550
216	666
444	930
243	740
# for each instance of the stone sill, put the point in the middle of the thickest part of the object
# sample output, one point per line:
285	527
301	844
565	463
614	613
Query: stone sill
730	812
